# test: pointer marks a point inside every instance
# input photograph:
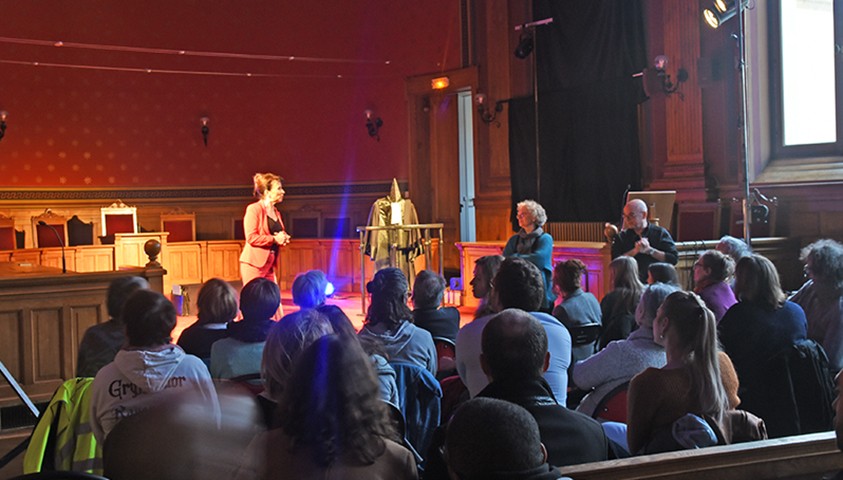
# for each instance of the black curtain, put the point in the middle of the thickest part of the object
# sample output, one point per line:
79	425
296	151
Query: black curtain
588	117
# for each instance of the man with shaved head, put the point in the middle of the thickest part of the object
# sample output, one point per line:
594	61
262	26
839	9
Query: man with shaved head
514	357
644	242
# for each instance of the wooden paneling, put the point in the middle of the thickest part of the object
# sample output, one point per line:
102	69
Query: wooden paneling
43	314
94	258
223	260
184	263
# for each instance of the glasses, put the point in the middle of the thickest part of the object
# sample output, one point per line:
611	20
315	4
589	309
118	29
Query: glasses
630	216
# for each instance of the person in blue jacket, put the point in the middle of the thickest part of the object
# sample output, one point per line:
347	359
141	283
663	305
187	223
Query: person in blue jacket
533	245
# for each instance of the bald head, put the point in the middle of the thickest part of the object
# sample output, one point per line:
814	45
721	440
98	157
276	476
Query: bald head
514	346
635	215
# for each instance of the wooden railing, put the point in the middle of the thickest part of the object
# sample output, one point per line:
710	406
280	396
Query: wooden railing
803	456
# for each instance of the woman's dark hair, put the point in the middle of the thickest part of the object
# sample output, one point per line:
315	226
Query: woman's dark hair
568	275
757	281
259	299
342	326
333	405
119	290
389	289
149	318
309	289
217	302
663	273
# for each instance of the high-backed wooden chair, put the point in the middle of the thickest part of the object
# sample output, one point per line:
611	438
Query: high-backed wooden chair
180	224
118	218
699	221
45	235
8	239
79	232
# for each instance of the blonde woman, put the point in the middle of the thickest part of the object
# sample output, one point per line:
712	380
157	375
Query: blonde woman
263	229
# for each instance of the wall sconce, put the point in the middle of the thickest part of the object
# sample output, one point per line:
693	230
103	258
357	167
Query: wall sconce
3	115
488	115
668	87
373	125
722	11
205	129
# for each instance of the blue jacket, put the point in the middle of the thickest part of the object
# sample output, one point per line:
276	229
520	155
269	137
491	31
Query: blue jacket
421	402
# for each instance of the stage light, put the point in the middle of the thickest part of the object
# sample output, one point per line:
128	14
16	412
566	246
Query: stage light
329	289
525	45
721	11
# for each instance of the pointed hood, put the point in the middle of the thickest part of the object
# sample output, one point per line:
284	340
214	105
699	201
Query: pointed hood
394	192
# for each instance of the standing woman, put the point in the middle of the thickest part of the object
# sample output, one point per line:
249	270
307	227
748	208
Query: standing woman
264	230
533	245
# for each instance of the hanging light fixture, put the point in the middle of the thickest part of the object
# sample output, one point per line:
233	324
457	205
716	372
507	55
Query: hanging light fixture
721	11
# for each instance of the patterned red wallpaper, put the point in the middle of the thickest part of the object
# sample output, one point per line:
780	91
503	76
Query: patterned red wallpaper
118	104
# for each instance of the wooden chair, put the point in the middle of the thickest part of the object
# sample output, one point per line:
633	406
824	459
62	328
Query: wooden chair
118	218
79	232
305	223
45	236
180	224
8	237
698	222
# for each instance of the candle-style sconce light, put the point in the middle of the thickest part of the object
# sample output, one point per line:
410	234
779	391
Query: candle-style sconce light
205	129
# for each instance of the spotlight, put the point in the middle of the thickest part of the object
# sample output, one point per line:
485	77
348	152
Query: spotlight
329	289
373	125
721	11
525	45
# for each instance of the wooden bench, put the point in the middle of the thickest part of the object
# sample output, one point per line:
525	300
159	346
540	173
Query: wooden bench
801	456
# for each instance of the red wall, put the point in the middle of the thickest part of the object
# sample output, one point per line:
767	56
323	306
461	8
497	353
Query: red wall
76	127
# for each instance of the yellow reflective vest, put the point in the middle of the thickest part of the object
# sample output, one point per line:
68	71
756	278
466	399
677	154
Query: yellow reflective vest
66	423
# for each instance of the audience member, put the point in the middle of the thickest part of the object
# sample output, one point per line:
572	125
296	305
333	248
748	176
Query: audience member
733	247
697	379
754	330
838	412
712	271
514	358
150	370
485	269
661	272
390	321
618	306
286	340
240	353
821	297
309	289
333	424
217	305
386	374
623	359
643	241
493	439
428	312
534	245
100	343
518	284
577	307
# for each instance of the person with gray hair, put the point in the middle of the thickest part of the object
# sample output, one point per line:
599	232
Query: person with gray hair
443	323
489	438
733	247
821	297
309	289
533	245
623	359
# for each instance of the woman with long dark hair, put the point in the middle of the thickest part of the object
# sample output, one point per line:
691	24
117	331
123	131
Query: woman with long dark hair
618	306
389	320
333	423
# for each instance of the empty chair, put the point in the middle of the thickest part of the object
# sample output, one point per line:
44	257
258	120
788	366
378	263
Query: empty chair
50	230
8	237
118	218
180	224
79	232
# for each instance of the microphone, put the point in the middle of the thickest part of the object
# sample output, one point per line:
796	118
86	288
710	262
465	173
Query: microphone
61	242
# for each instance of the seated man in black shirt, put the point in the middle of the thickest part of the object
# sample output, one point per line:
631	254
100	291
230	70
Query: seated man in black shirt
443	323
642	241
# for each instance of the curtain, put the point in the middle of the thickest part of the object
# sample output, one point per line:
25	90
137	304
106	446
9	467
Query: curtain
588	110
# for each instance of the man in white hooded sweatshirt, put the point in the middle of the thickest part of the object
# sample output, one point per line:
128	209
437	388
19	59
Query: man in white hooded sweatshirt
149	370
